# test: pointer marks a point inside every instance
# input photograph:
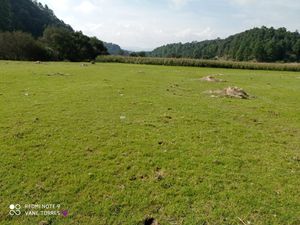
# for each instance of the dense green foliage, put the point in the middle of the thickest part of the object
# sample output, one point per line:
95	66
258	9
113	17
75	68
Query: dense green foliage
200	63
5	15
53	39
138	54
55	44
74	46
117	143
27	16
21	46
259	44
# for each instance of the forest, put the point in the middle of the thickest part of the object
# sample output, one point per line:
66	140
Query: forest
258	44
27	16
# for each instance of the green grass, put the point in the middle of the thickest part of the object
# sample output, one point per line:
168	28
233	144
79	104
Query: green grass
117	143
200	63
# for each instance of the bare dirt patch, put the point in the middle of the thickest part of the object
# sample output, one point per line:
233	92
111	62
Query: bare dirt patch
159	174
44	223
57	74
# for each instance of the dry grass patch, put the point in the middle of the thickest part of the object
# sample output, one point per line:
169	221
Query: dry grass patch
230	92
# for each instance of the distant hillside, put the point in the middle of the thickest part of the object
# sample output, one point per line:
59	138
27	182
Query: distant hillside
258	44
114	49
27	16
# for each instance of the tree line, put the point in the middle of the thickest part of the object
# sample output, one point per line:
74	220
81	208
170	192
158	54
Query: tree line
56	44
258	44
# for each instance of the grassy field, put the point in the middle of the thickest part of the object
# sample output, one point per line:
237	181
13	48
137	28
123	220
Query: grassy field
119	143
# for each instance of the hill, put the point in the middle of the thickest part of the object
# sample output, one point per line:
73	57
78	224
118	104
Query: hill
31	31
27	16
258	44
114	49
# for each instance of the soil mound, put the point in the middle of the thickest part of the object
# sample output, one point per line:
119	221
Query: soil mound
211	79
230	92
236	92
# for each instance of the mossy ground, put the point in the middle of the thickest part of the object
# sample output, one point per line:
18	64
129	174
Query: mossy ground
117	143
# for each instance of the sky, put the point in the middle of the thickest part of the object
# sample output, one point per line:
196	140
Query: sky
147	24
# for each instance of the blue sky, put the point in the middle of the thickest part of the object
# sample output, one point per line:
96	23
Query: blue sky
146	24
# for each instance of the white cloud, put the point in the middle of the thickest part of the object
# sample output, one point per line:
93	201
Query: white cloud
244	2
192	34
62	5
86	7
178	3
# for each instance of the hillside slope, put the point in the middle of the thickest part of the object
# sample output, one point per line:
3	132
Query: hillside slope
114	49
260	44
27	16
31	31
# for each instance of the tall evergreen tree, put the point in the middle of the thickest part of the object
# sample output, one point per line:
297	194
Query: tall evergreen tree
5	15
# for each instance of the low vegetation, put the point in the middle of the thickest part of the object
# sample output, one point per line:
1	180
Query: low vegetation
200	63
140	144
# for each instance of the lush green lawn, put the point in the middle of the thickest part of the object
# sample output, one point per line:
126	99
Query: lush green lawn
117	143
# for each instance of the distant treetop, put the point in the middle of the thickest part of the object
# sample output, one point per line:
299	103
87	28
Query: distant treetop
258	44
